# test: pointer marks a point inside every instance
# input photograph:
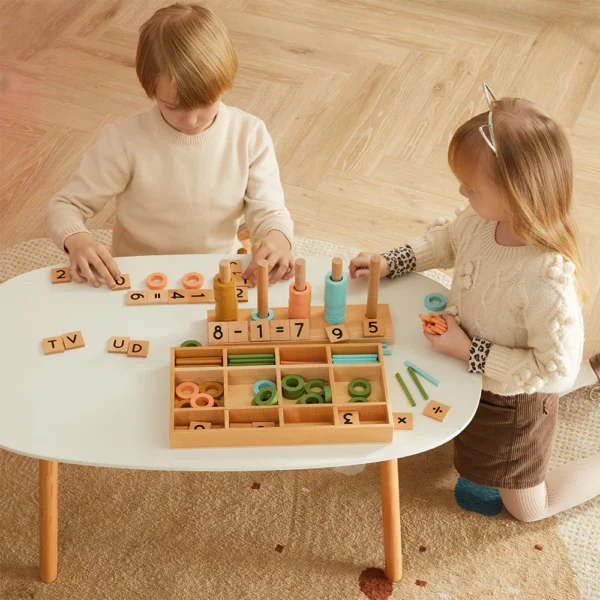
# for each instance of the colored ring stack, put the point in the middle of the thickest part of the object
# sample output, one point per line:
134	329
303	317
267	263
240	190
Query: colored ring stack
335	299
226	304
293	387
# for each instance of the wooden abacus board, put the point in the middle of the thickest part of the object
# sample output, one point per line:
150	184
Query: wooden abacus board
231	423
354	323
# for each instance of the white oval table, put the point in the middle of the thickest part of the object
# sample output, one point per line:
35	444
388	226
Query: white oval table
108	410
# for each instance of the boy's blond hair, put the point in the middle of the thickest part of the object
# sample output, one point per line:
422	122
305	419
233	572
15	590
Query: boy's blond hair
189	44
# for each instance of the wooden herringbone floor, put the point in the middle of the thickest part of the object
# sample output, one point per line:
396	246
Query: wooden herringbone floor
360	96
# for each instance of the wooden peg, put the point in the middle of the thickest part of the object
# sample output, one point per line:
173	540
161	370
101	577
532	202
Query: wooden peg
53	345
300	275
374	274
337	269
61	275
263	289
224	271
73	340
118	345
138	348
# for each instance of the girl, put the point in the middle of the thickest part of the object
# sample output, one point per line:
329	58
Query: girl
185	171
515	312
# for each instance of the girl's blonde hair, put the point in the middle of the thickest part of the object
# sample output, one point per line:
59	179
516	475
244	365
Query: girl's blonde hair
533	169
190	44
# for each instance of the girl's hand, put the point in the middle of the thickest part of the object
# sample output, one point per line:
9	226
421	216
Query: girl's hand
275	249
85	252
455	342
359	266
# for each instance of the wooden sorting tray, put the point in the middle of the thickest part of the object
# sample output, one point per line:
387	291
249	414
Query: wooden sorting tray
294	424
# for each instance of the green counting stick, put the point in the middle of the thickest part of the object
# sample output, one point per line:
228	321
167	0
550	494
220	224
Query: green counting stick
408	394
412	373
422	373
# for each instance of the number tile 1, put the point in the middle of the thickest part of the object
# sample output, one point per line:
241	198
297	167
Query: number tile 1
403	420
337	333
218	333
203	296
436	410
260	331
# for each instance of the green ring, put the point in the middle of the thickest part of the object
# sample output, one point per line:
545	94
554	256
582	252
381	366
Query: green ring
359	383
315	383
327	394
358	399
293	387
311	399
266	397
191	344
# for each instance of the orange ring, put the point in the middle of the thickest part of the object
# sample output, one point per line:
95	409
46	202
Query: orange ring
186	390
188	285
210	401
156	286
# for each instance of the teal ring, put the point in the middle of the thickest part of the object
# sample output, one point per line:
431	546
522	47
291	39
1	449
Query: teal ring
435	302
269	317
261	384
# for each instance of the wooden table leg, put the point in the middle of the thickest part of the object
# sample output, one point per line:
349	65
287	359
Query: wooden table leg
390	505
48	474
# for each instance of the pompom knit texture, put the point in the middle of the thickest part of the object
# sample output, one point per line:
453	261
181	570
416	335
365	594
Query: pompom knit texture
522	299
176	193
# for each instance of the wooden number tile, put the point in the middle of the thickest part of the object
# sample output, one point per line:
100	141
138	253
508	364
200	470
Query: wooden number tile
53	345
373	328
178	296
137	297
258	424
61	275
123	283
236	266
241	282
240	425
199	425
403	420
204	296
218	333
138	348
73	340
280	330
436	410
337	333
238	332
300	329
348	417
260	331
118	345
242	294
158	296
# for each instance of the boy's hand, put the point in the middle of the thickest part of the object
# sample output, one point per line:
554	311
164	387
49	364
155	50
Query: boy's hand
85	252
455	342
275	249
359	266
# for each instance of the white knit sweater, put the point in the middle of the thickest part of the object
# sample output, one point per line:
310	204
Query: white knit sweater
176	193
522	299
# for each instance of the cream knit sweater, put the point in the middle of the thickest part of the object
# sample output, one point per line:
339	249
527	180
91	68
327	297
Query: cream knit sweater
176	194
522	299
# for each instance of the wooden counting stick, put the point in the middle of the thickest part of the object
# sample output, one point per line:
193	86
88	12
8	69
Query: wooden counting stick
374	275
337	269
61	275
263	289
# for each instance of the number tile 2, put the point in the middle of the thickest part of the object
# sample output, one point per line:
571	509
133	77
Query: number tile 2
436	410
218	333
61	275
337	333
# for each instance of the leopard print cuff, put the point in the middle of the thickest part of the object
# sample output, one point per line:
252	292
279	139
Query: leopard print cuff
478	354
401	260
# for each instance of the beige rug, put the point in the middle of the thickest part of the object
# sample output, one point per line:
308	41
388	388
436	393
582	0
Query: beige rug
305	535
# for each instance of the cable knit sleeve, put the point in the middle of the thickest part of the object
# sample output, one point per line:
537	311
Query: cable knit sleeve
265	208
103	174
552	318
437	248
